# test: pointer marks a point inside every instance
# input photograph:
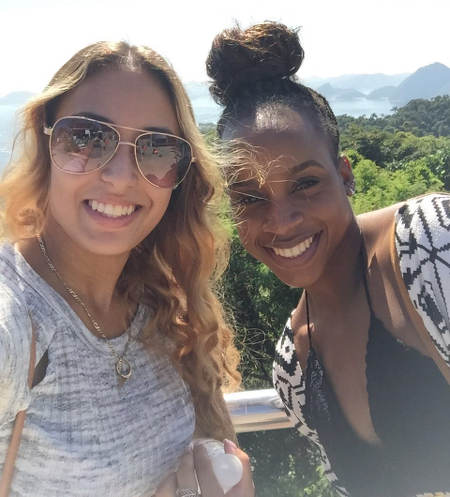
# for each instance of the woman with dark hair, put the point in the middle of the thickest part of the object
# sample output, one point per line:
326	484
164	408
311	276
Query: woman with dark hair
362	365
111	249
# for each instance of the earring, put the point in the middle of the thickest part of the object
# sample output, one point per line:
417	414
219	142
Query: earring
347	162
350	188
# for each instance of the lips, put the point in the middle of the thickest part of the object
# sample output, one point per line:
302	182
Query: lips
301	252
112	210
296	250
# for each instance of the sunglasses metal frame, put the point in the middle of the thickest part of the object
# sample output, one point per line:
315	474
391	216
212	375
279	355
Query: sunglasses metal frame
49	131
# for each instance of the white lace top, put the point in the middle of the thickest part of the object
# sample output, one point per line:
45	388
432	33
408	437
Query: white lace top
84	435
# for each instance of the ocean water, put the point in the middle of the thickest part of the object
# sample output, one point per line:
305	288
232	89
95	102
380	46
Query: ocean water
205	110
362	106
8	126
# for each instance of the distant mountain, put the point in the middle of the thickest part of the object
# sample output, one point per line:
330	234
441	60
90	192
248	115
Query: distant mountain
16	98
368	82
364	83
427	82
383	92
331	93
353	94
197	89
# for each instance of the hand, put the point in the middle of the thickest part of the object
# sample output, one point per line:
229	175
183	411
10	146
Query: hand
168	487
198	462
207	480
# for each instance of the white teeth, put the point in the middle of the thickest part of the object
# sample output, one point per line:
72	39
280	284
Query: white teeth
111	210
294	251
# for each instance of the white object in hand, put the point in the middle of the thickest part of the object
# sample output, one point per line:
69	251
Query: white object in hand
227	467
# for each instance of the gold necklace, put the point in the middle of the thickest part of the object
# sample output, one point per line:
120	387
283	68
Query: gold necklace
122	366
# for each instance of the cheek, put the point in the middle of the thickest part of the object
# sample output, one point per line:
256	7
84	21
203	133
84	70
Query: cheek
158	201
339	216
242	229
247	233
65	195
60	193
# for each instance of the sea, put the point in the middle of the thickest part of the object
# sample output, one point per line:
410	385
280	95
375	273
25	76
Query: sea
205	110
8	124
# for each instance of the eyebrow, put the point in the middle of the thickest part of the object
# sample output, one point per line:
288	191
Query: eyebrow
252	183
305	165
98	117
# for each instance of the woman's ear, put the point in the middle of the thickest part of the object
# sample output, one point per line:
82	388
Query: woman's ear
346	172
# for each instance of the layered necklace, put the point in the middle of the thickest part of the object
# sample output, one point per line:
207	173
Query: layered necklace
122	365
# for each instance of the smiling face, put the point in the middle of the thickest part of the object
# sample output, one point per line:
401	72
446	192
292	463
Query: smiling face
290	201
111	210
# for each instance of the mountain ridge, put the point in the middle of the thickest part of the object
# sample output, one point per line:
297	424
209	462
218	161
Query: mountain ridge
426	82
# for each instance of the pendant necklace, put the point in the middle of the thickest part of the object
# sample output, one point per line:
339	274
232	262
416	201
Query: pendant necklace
122	366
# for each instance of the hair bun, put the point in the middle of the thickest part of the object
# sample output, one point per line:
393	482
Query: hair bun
240	58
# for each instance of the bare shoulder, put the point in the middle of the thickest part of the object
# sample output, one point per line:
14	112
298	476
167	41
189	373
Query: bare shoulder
376	227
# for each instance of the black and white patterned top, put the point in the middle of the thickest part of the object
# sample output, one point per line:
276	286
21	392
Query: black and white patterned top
422	244
84	435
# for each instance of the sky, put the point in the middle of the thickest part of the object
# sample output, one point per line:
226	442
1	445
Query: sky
339	37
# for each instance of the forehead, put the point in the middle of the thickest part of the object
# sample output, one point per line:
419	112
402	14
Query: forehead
135	99
279	118
269	155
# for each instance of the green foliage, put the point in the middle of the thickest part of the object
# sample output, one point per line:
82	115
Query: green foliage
378	187
419	130
208	131
260	304
420	117
393	150
289	466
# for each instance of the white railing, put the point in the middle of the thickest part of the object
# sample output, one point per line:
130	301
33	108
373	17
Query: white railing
256	410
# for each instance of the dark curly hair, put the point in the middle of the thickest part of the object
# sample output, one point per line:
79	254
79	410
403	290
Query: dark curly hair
256	68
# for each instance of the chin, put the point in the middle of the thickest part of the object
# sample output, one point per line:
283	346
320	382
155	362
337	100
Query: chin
291	281
294	279
110	251
107	245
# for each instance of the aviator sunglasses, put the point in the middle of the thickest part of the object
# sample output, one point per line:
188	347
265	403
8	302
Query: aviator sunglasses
81	145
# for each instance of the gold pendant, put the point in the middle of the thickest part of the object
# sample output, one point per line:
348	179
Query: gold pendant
123	368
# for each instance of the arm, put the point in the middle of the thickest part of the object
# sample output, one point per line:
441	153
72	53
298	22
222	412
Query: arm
207	480
197	464
421	260
15	341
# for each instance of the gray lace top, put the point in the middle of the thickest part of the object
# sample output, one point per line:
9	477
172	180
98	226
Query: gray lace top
84	434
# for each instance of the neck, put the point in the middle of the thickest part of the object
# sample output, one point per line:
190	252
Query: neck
342	276
93	276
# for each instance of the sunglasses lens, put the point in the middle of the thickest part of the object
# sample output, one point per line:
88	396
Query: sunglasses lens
163	159
79	145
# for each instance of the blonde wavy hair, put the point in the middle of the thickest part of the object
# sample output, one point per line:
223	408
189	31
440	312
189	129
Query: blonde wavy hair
176	268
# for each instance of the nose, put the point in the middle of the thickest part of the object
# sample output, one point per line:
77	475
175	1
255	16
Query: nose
282	217
121	170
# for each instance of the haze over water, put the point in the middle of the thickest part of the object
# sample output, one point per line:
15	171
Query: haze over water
206	111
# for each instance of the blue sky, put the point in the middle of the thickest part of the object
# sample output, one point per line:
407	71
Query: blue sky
339	37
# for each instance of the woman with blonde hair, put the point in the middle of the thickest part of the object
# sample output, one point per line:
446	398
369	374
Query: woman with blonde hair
111	249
